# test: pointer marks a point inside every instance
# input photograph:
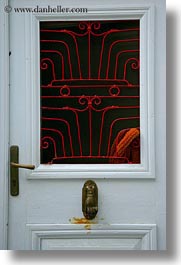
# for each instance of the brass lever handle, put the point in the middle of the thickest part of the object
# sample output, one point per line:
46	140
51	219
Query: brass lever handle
31	167
14	170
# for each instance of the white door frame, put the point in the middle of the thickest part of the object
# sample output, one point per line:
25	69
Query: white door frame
146	169
4	122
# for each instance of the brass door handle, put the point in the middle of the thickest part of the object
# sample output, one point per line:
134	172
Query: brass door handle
31	167
90	199
14	170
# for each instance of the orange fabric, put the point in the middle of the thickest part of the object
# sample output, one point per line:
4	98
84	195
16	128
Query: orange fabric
126	140
126	147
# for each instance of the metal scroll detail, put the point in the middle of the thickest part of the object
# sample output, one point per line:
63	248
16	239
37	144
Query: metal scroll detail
90	199
89	90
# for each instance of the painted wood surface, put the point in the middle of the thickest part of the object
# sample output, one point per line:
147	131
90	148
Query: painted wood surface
128	194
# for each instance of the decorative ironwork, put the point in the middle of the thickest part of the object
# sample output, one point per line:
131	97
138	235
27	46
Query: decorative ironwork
89	90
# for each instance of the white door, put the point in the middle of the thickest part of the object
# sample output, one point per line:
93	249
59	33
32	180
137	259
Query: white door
87	102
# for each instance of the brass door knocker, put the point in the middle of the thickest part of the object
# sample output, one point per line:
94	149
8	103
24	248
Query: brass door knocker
90	199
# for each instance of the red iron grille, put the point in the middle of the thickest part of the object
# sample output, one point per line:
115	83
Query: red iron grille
89	91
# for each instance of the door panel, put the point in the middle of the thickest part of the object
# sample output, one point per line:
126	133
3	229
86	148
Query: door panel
55	237
47	213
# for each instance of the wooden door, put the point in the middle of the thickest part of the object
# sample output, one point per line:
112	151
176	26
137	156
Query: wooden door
87	102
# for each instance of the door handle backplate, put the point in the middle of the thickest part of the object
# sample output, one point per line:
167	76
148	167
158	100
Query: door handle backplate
14	170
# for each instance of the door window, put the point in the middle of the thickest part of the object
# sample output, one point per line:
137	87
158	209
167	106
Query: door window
90	90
